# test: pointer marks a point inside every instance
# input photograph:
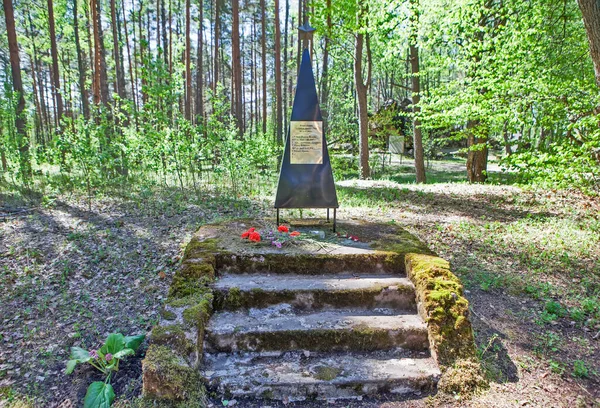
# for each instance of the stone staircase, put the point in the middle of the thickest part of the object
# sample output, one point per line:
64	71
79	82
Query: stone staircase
312	321
323	334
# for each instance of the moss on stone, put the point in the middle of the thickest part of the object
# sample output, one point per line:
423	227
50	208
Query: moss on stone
326	373
234	298
310	263
167	314
173	336
168	376
198	247
267	394
360	338
196	269
445	309
190	300
183	286
198	314
464	378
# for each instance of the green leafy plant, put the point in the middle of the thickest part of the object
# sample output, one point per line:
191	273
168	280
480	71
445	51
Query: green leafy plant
580	369
106	359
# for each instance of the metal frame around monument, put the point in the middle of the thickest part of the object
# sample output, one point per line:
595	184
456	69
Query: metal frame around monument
334	216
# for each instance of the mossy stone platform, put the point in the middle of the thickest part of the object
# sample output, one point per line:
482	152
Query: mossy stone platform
324	317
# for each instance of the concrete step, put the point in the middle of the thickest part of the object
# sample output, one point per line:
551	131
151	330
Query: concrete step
308	292
280	328
296	376
341	260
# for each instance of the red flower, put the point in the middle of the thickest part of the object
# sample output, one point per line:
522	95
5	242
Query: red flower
254	236
247	233
294	234
283	228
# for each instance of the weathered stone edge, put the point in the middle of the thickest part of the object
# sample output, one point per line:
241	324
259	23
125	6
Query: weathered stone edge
443	307
170	367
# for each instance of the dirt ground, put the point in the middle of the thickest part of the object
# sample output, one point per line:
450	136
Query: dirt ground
72	273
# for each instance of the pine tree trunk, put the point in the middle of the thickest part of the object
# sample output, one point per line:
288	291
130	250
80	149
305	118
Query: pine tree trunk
199	67
165	43
188	58
120	76
37	85
130	61
216	46
252	68
299	50
256	107
15	68
80	65
263	33
278	94
101	90
55	71
236	66
285	67
325	70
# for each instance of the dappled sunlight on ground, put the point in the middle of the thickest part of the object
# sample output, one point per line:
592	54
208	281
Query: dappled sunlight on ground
75	270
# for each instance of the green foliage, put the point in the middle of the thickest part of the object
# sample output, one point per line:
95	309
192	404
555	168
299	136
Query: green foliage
100	394
580	369
564	164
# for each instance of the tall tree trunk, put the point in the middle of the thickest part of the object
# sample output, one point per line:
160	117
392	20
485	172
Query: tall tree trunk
236	66
199	67
263	40
590	9
130	62
55	72
507	148
188	68
165	43
217	24
416	92
416	97
256	99
142	54
285	66
478	153
299	50
361	94
80	64
15	68
101	90
325	70
171	37
120	77
278	95
37	84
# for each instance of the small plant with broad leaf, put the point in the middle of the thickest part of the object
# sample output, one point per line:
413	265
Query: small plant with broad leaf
106	359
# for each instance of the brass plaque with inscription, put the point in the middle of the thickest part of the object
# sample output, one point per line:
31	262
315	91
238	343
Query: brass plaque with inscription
306	142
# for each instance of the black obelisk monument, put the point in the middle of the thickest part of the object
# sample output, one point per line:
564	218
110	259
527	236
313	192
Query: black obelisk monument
306	178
